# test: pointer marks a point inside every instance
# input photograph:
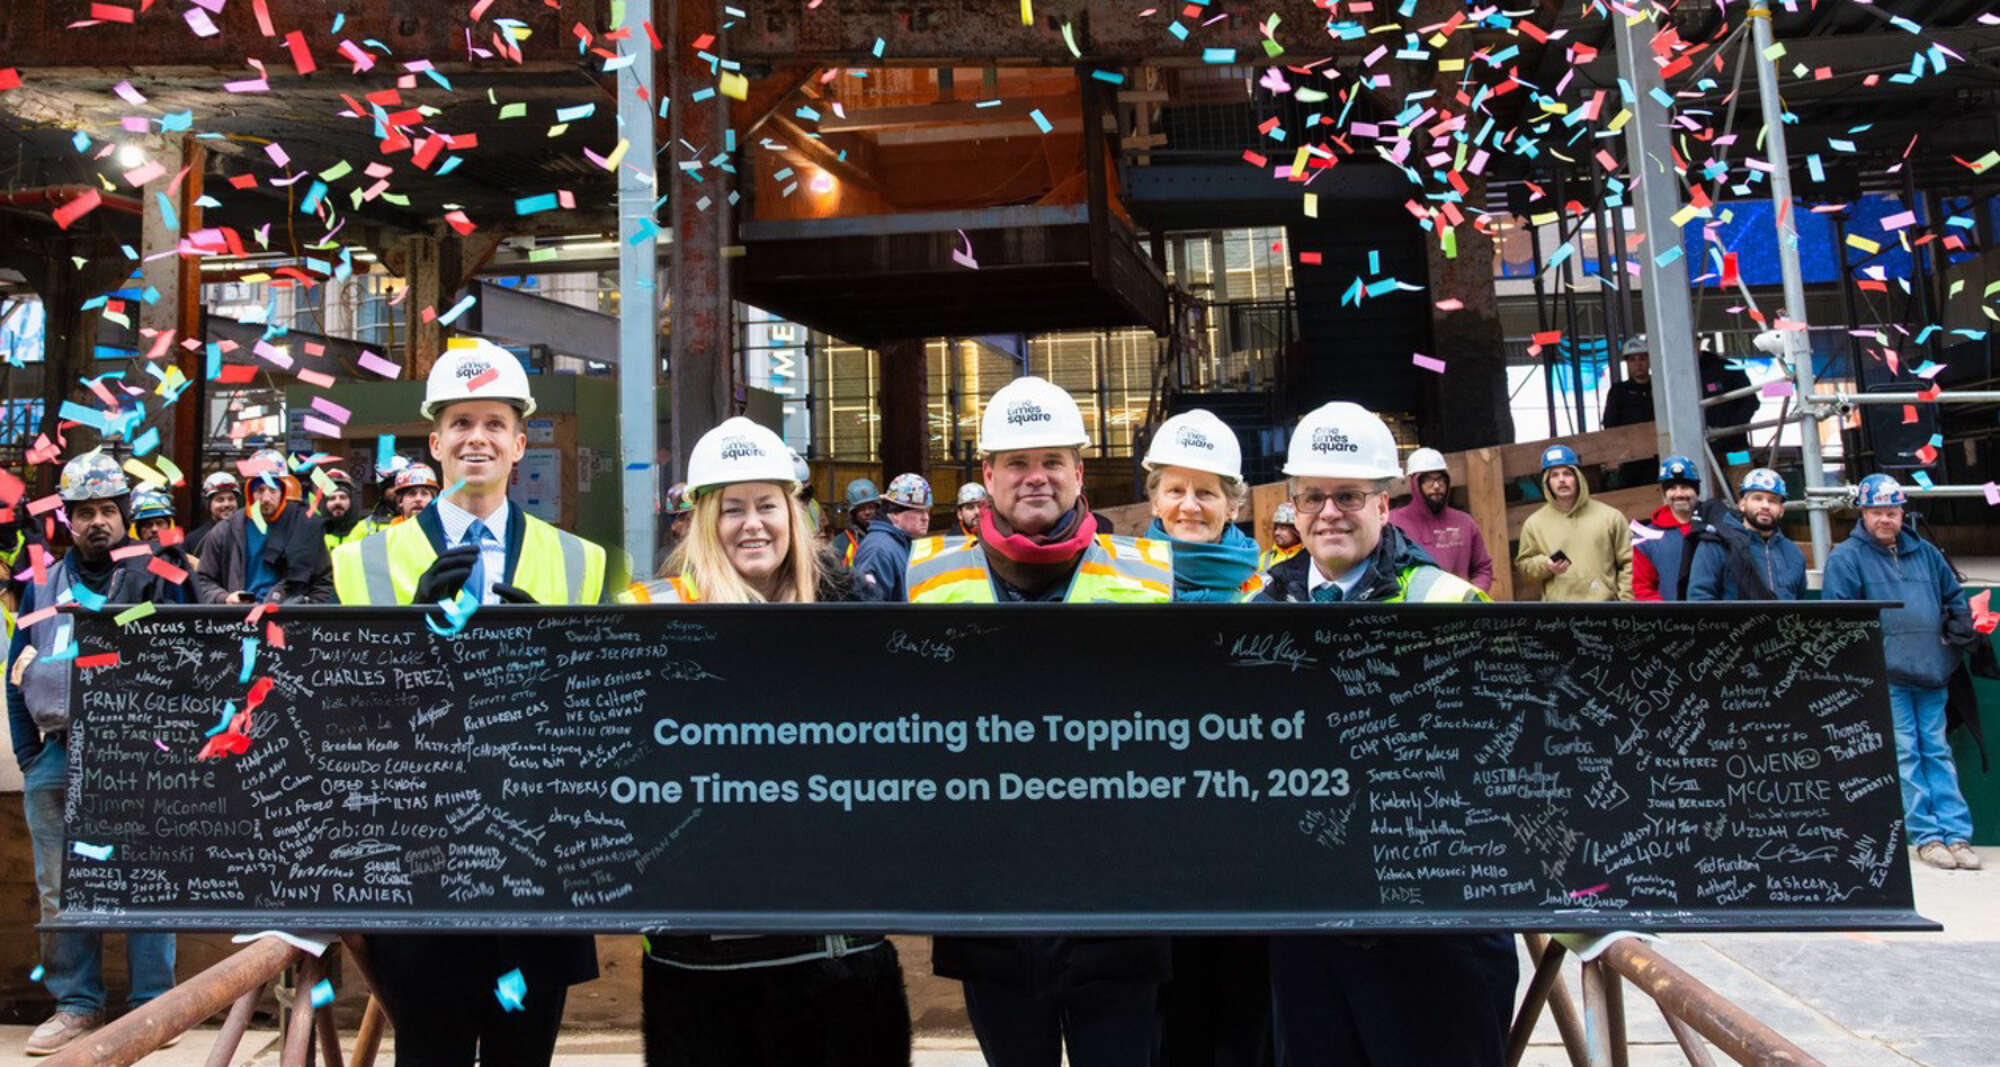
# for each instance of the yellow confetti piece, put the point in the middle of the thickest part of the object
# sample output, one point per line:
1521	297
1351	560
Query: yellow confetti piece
617	154
138	468
734	86
1312	205
1027	12
1855	240
172	472
1446	66
1777	49
134	613
1619	120
1299	161
1686	215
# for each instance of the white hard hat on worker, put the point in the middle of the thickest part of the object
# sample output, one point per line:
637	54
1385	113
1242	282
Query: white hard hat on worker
738	451
1031	438
476	398
1340	465
473	368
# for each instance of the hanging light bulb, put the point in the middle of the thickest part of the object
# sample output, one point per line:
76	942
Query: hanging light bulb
131	155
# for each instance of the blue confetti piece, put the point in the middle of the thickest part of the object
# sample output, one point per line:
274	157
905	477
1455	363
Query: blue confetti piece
1737	459
249	660
1220	56
228	713
90	851
1041	121
322	994
36	974
385	451
83	595
464	305
531	205
573	114
511	990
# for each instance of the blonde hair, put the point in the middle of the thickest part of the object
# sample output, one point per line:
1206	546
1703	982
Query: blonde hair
1235	490
703	561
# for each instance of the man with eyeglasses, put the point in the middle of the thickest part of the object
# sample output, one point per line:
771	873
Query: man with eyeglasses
1397	999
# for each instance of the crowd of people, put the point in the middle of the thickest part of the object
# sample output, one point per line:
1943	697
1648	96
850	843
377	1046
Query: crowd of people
744	531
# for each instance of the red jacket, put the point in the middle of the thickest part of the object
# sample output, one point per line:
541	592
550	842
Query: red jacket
1656	561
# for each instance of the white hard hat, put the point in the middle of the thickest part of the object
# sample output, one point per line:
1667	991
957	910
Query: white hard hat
737	451
473	368
1031	412
1342	440
1198	441
1426	461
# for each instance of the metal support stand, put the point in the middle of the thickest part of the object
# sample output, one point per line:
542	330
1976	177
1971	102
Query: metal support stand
639	307
1669	318
1798	345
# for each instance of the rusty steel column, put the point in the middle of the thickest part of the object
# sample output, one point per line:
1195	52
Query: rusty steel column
181	1008
1733	1030
698	342
223	1052
905	402
423	271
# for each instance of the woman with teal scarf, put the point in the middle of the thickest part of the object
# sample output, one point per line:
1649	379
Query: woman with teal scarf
1217	1006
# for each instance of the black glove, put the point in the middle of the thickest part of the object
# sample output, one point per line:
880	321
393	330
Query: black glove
447	574
512	594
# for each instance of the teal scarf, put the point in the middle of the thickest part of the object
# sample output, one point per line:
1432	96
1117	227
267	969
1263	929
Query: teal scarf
1206	572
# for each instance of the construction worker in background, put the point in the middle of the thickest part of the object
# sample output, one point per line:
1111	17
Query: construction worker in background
1401	999
864	502
153	516
1748	558
767	1001
273	554
95	496
1884	560
1216	1006
1450	536
343	519
971	497
221	496
815	513
884	556
1579	548
1285	542
680	508
1660	552
475	541
413	490
1028	997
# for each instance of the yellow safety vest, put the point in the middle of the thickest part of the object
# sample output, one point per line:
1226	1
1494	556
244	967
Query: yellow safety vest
1275	556
676	590
1119	570
553	566
1435	585
360	530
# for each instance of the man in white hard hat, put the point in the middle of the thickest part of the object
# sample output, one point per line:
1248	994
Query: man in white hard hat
438	989
1450	536
971	497
1377	1001
1285	540
1029	996
272	552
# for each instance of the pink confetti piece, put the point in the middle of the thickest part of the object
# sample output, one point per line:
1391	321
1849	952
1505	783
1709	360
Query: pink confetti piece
1435	366
332	410
1452	304
1779	388
1992	493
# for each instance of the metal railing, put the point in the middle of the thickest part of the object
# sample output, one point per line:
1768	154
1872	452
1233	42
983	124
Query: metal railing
237	984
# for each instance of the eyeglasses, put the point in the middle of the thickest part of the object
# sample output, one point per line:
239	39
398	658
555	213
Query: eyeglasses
1313	501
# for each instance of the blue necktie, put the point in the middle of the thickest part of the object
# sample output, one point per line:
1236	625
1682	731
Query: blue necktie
1327	594
475	582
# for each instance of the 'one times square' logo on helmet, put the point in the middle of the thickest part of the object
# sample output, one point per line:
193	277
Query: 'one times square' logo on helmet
1328	439
740	448
1189	437
1027	411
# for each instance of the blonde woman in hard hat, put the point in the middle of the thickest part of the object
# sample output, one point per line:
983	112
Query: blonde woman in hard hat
761	1001
1216	1008
439	988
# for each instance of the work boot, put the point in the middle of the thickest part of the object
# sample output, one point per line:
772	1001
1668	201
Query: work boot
1935	854
58	1031
1968	860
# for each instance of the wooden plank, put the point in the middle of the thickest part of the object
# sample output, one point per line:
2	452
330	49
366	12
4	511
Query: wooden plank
1486	500
1600	448
1638	503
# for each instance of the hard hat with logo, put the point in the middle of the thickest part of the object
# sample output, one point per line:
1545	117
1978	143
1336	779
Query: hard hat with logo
151	503
908	491
1285	515
1559	456
473	368
268	468
220	482
1679	469
1030	412
92	476
1881	491
972	493
1197	440
1635	346
1762	480
415	476
1426	461
862	491
738	451
1342	439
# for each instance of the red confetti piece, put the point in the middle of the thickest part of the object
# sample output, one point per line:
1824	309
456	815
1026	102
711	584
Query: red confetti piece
10	78
302	56
83	204
102	659
166	570
112	13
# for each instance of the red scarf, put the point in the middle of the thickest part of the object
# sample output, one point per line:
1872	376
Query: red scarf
1057	546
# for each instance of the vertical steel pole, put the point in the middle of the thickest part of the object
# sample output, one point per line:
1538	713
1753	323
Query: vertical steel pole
1798	342
639	305
1669	319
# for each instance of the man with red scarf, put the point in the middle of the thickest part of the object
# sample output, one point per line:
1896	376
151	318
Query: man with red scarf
1029	996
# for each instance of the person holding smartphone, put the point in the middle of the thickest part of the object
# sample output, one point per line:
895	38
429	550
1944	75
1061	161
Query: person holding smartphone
1578	548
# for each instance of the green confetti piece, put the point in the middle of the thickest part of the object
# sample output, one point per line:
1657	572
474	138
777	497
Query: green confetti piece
134	613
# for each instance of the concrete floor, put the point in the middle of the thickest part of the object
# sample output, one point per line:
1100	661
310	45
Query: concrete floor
1857	999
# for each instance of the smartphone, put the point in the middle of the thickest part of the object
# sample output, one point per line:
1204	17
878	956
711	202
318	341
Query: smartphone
1558	557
